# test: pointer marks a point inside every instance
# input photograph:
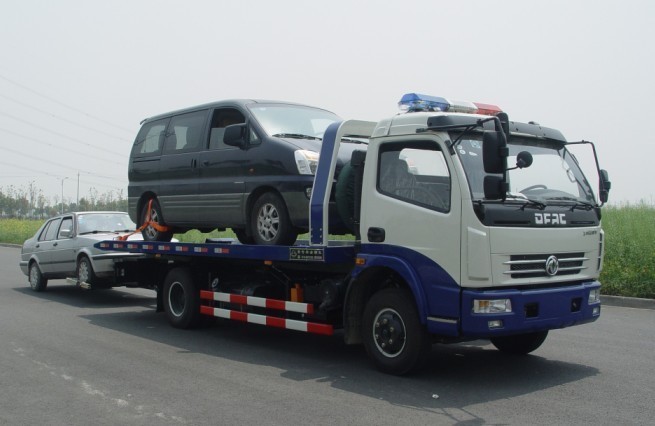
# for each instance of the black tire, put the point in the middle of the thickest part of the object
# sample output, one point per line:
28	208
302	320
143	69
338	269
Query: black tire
393	335
521	344
345	196
85	273
150	233
37	282
270	223
241	235
181	299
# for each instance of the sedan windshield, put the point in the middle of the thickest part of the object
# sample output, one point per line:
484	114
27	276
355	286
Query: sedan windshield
553	178
293	120
104	222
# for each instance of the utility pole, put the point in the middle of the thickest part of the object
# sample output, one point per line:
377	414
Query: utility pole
77	202
62	194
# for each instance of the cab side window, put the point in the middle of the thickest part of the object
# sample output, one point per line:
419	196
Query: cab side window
150	138
185	132
416	173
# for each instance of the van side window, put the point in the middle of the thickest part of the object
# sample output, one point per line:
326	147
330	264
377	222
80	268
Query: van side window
416	173
220	120
150	138
185	132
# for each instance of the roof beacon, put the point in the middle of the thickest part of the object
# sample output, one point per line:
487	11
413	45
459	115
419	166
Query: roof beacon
413	102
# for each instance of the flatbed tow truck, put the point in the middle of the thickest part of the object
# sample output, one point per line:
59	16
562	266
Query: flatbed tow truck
450	243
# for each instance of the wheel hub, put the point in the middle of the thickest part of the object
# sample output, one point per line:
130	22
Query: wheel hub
268	222
389	333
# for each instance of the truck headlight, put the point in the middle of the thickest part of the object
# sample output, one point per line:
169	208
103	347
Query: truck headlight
493	306
306	161
594	296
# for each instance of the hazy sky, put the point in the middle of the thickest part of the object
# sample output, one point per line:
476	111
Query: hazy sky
77	77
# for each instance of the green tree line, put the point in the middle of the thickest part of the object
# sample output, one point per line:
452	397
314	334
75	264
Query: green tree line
30	202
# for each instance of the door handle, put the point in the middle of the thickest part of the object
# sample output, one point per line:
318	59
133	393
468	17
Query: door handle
55	244
375	234
194	163
205	163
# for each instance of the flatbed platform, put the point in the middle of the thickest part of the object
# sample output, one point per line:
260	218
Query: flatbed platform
334	252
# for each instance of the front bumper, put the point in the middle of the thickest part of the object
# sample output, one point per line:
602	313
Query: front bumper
532	310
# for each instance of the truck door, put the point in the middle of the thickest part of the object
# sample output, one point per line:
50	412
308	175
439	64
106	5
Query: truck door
411	199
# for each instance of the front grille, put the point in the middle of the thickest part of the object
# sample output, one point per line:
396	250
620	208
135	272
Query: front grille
534	265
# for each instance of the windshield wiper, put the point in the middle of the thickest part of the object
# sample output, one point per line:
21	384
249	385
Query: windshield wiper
95	232
296	136
578	203
528	201
350	140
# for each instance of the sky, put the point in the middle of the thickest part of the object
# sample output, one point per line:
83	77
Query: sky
77	77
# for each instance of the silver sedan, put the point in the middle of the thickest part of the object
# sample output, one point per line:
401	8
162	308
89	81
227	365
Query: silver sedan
64	248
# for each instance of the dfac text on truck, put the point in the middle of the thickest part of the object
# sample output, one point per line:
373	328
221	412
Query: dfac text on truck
467	226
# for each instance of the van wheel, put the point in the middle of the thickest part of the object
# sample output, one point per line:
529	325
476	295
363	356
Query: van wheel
270	223
149	232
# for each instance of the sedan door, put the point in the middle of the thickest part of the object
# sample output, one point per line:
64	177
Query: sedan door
64	249
43	247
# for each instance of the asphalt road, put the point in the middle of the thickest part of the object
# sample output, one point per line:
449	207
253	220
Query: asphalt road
75	357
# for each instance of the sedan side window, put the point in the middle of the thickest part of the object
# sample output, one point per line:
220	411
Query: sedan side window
53	228
66	229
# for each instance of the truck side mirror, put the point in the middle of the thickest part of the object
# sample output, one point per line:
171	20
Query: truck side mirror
495	188
236	135
523	159
604	186
494	151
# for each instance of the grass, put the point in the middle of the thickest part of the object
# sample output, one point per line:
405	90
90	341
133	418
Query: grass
629	268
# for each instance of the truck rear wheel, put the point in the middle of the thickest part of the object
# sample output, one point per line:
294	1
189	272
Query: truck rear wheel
393	335
181	299
520	344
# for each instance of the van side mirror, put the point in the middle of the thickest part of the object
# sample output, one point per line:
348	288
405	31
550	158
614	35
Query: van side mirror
236	135
494	151
604	186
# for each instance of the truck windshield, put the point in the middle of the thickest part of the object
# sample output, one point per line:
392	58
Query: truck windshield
553	178
293	120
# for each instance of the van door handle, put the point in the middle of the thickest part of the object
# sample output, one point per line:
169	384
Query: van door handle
375	234
194	163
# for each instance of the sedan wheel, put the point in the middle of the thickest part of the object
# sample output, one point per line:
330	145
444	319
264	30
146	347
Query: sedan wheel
37	282
85	272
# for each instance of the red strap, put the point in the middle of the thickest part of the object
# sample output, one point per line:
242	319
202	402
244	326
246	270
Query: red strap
147	222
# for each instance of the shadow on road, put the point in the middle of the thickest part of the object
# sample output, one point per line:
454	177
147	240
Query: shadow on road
461	375
68	294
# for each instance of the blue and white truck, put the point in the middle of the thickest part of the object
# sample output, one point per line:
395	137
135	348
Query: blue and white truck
467	226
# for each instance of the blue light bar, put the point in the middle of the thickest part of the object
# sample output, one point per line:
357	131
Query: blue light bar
417	102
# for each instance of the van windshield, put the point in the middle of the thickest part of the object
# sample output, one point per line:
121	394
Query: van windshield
281	119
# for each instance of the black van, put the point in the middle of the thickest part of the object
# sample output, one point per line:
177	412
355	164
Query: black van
242	164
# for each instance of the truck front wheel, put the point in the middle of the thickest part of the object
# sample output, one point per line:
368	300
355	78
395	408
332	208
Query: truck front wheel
520	344
393	335
181	299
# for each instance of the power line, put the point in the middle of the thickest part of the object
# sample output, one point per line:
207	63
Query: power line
60	148
60	134
64	105
63	119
